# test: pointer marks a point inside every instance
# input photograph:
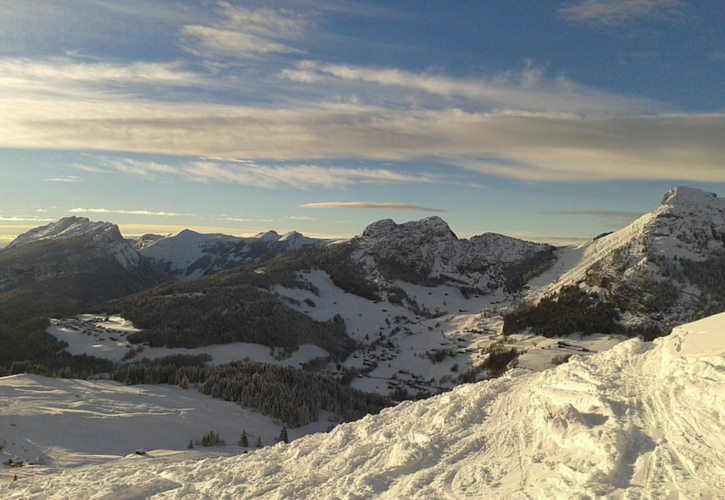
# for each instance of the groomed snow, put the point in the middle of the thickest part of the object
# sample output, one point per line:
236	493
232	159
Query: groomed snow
67	423
640	420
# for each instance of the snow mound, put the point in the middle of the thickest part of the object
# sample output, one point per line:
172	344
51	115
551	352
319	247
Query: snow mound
641	420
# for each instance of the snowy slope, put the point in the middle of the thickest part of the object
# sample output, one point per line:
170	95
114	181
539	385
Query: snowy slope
67	423
106	337
641	420
688	226
189	255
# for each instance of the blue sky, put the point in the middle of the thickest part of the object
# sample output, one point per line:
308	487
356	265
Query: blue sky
540	119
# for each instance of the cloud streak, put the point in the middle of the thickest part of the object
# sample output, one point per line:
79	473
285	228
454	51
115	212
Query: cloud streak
243	33
597	213
528	89
370	205
611	13
126	212
250	173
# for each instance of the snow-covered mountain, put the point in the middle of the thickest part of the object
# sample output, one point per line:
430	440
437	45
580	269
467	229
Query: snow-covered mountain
642	420
75	257
666	267
189	255
427	252
395	310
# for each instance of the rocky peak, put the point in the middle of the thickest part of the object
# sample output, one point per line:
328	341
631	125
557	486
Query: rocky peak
267	236
682	196
65	228
429	228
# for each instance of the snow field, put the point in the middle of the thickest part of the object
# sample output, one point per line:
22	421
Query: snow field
640	420
67	423
105	337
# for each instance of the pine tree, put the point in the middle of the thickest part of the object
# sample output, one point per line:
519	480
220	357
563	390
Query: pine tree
191	445
243	441
259	442
283	435
184	384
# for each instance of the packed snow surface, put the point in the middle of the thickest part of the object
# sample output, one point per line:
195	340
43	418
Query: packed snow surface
640	420
66	423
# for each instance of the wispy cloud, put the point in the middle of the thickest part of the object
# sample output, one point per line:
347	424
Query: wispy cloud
297	176
528	89
242	33
250	173
301	218
373	205
596	213
610	13
69	178
125	212
68	76
24	218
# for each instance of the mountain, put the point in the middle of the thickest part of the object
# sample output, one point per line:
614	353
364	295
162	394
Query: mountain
641	420
395	310
427	252
665	268
87	261
189	255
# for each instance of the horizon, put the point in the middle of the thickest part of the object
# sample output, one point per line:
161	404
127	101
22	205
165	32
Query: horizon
546	121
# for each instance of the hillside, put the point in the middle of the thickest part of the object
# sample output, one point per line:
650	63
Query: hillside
640	420
665	268
81	260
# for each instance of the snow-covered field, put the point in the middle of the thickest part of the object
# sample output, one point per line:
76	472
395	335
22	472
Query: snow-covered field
66	423
105	337
641	420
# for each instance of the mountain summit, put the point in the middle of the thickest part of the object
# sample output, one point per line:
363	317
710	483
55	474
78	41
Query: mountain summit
665	268
76	258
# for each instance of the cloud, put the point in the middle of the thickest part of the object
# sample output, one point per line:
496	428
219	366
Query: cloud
243	33
250	173
23	218
527	146
296	176
69	178
601	137
67	76
527	89
611	13
373	205
125	212
302	218
550	239
597	213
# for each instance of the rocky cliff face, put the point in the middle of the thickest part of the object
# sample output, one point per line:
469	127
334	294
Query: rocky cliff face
427	252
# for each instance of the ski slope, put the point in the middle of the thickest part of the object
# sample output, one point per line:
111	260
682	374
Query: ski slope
67	423
640	420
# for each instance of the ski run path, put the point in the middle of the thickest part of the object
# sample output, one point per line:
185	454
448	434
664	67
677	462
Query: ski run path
641	420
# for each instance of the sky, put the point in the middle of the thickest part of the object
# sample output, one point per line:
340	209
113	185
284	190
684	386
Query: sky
545	120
